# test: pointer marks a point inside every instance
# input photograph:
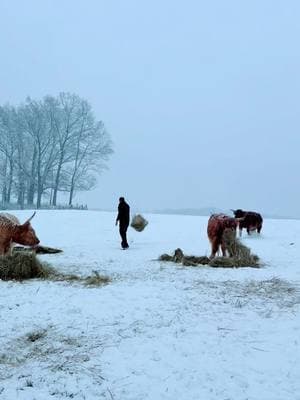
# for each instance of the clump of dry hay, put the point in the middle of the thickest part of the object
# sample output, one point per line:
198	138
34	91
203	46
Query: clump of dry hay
22	266
240	256
180	257
96	280
139	223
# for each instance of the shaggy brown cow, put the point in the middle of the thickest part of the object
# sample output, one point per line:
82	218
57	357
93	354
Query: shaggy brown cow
216	226
250	220
11	231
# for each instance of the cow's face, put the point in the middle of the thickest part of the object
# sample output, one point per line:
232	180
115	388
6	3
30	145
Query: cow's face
239	213
27	236
230	223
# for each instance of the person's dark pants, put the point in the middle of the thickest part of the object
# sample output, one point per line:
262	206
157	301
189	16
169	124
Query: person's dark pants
123	231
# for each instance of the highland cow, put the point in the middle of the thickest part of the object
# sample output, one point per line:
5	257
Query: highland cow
217	225
11	231
250	220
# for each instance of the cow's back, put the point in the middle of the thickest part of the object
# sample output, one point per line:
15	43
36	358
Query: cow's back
8	223
217	223
252	218
214	226
8	220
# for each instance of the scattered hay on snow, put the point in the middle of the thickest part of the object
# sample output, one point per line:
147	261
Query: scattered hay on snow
271	288
96	280
36	335
180	257
240	256
139	223
22	266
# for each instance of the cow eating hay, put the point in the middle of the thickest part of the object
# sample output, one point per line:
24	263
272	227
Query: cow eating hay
11	231
241	255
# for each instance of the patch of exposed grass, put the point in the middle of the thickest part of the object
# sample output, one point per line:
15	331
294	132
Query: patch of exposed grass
36	335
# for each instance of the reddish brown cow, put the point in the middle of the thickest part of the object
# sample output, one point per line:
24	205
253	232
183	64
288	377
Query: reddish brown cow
216	226
11	231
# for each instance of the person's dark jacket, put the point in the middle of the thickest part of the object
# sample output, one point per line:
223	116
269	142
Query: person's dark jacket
123	213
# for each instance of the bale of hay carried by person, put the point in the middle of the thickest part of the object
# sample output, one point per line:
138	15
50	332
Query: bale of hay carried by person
138	223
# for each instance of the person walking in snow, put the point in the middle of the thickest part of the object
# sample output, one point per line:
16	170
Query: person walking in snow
123	220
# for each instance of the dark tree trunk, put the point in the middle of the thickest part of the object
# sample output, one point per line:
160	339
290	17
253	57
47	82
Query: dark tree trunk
32	181
56	186
4	187
10	180
71	194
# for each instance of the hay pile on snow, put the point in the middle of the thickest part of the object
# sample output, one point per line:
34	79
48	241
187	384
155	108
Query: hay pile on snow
25	265
20	266
139	223
240	256
180	257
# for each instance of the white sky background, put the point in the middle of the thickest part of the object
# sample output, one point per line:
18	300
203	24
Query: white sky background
201	98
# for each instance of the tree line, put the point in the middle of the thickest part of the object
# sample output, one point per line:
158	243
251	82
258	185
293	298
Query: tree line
50	146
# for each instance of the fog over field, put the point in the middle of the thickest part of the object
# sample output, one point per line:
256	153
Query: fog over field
201	99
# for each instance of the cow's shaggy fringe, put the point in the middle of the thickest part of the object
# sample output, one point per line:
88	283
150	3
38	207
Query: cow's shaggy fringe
22	266
139	223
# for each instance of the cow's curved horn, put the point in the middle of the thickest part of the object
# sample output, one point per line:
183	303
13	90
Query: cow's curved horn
29	219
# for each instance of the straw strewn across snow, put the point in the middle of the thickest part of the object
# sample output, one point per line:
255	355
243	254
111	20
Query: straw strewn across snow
157	330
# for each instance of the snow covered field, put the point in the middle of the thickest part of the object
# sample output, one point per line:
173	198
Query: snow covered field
159	331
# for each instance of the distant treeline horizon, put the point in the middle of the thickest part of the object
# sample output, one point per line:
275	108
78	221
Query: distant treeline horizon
201	212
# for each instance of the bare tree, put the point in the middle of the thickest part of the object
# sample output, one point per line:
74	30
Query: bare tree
34	122
7	149
50	146
92	148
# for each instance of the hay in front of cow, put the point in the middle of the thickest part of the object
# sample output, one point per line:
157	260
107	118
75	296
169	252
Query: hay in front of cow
240	254
21	266
179	257
139	223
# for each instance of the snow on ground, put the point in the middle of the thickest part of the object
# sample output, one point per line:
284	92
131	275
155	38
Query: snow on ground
159	330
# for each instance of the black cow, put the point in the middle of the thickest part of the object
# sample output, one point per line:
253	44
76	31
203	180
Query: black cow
250	220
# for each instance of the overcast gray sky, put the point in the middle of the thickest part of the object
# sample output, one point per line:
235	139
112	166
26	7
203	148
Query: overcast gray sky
201	98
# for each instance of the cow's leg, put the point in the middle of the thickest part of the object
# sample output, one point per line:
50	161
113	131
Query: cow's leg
223	248
4	247
214	247
259	228
248	230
